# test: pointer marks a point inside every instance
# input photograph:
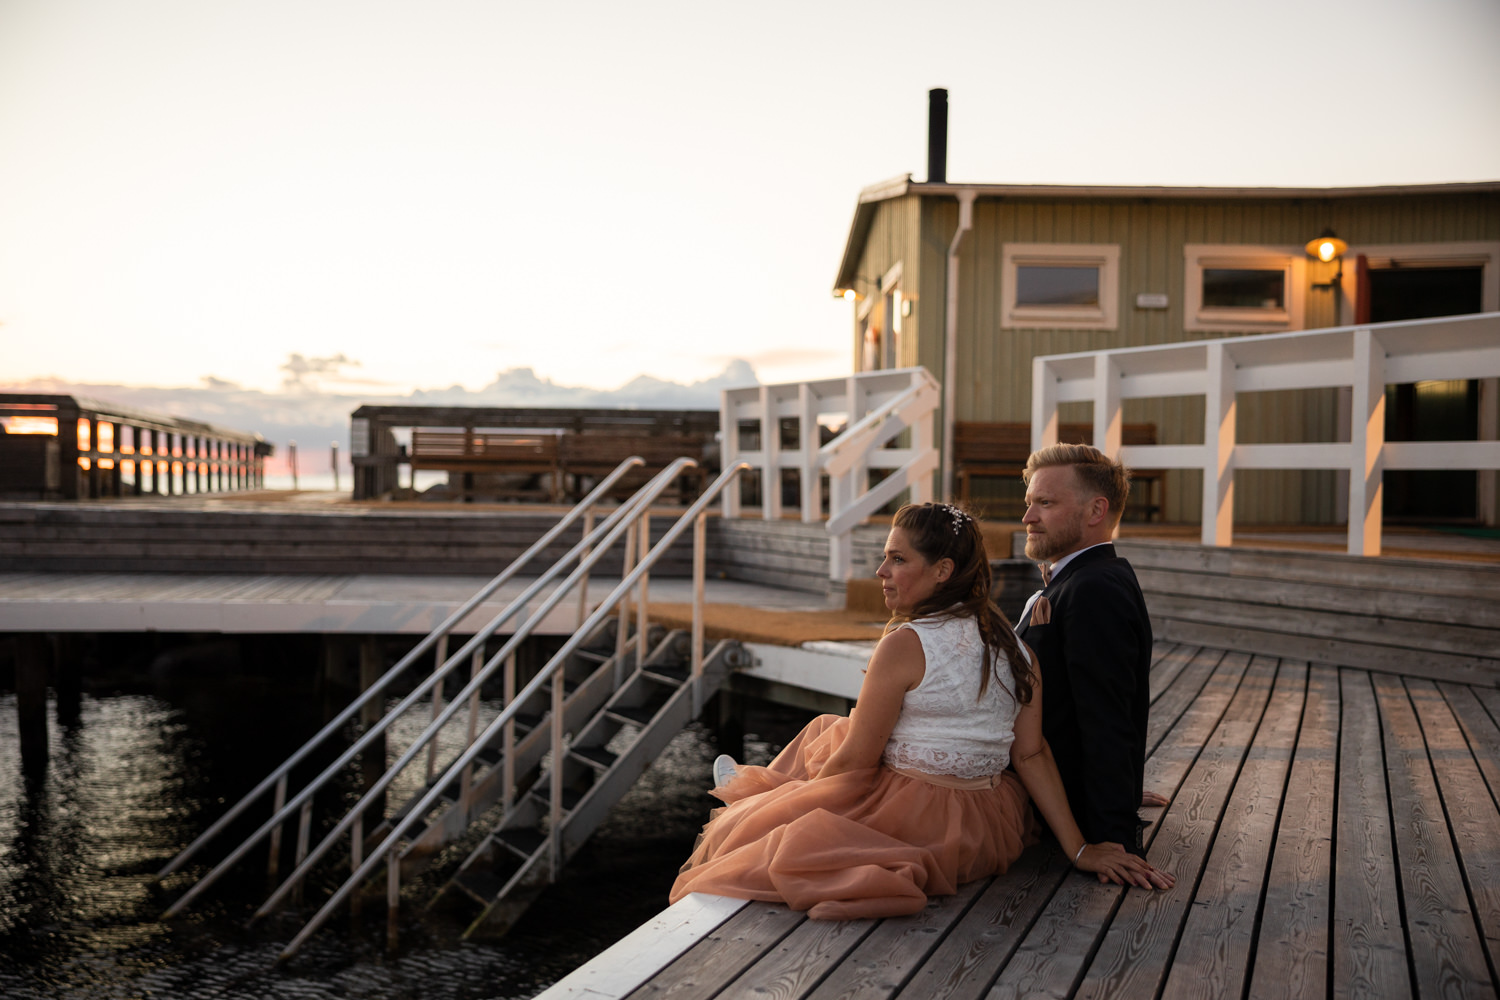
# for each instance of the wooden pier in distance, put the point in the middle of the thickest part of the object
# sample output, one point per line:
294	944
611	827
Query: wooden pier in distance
1334	832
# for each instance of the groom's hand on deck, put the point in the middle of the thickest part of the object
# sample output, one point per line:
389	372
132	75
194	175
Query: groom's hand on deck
1112	863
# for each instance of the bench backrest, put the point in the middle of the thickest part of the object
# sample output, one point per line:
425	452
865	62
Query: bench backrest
486	446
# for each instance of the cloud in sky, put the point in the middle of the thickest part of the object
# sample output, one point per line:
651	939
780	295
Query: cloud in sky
599	191
315	416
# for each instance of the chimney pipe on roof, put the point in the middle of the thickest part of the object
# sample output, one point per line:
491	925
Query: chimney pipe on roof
937	136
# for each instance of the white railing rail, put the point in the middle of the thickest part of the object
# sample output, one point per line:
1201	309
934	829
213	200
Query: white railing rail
1363	359
875	408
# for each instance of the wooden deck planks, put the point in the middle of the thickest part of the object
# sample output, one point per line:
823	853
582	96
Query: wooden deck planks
1446	956
1136	952
1213	958
888	956
1053	953
1334	833
965	964
1291	958
1369	947
721	957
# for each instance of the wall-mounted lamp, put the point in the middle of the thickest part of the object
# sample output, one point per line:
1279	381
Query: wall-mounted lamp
1328	248
847	294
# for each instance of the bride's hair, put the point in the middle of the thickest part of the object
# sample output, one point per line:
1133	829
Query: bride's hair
944	531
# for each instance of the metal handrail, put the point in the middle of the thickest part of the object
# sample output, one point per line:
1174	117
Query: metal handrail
616	526
554	665
283	811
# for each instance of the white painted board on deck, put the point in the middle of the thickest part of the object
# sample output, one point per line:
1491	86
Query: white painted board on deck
645	951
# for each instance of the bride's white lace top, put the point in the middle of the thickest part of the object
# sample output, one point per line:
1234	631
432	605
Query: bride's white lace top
945	726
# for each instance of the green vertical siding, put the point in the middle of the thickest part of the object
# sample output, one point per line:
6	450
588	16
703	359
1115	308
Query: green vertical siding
994	362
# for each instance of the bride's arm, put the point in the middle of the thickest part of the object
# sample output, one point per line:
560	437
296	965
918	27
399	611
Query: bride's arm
896	667
1032	758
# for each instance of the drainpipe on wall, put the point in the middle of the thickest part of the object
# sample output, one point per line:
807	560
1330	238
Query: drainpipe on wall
950	335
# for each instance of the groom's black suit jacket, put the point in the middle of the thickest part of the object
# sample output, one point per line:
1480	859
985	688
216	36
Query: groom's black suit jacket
1095	658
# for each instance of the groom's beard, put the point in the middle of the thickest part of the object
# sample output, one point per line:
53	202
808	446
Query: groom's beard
1054	543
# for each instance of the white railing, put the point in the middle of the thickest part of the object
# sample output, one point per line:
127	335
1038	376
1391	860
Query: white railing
1362	358
875	408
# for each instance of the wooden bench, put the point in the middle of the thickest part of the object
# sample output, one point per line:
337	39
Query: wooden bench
492	453
999	450
589	456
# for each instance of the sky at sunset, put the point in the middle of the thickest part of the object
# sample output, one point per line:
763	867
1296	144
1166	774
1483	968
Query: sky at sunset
376	197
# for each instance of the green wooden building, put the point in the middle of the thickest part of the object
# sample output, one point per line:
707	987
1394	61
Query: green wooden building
972	281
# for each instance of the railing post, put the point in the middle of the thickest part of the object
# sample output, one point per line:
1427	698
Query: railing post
1218	446
583	582
1043	405
508	747
922	441
729	451
437	702
1109	425
622	630
273	866
770	451
809	439
643	592
1367	445
700	565
476	664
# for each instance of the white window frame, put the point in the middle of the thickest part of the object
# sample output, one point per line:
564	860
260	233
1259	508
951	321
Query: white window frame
1104	256
1291	261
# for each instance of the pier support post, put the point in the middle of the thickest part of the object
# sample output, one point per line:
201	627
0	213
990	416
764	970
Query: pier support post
372	761
33	658
729	724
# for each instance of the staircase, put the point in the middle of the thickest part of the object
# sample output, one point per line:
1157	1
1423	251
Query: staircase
525	850
566	745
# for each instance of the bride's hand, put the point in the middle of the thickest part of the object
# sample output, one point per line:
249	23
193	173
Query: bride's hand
1112	863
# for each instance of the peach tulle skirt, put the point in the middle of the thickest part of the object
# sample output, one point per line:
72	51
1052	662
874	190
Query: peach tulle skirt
870	843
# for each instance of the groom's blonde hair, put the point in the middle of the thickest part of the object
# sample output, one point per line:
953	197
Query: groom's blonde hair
1098	474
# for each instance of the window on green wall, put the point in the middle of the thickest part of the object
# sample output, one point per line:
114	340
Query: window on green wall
1060	285
1239	288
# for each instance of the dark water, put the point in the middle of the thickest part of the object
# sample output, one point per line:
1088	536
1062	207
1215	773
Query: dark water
135	774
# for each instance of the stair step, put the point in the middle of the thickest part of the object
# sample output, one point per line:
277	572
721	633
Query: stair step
595	756
491	755
593	655
527	721
542	793
522	840
638	716
481	886
674	675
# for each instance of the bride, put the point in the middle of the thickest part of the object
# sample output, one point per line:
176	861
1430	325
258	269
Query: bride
924	786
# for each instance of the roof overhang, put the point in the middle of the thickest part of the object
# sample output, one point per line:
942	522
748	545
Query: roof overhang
899	187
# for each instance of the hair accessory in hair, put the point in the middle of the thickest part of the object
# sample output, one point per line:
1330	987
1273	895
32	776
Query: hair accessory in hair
960	518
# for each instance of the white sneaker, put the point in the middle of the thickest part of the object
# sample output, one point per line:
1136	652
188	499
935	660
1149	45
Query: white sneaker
724	770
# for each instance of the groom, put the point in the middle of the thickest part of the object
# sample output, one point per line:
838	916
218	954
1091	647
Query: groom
1089	628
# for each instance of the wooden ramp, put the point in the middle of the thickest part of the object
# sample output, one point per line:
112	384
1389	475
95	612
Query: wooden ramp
1334	832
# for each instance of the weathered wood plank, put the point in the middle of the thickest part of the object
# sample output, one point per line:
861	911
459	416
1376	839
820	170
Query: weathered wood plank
1412	662
1135	955
1168	707
630	961
801	960
1213	959
1291	959
1168	665
967	961
1476	639
888	956
1480	729
718	958
1066	933
1465	821
1383	602
1369	950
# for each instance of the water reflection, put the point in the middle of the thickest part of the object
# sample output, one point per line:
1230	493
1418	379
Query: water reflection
133	777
